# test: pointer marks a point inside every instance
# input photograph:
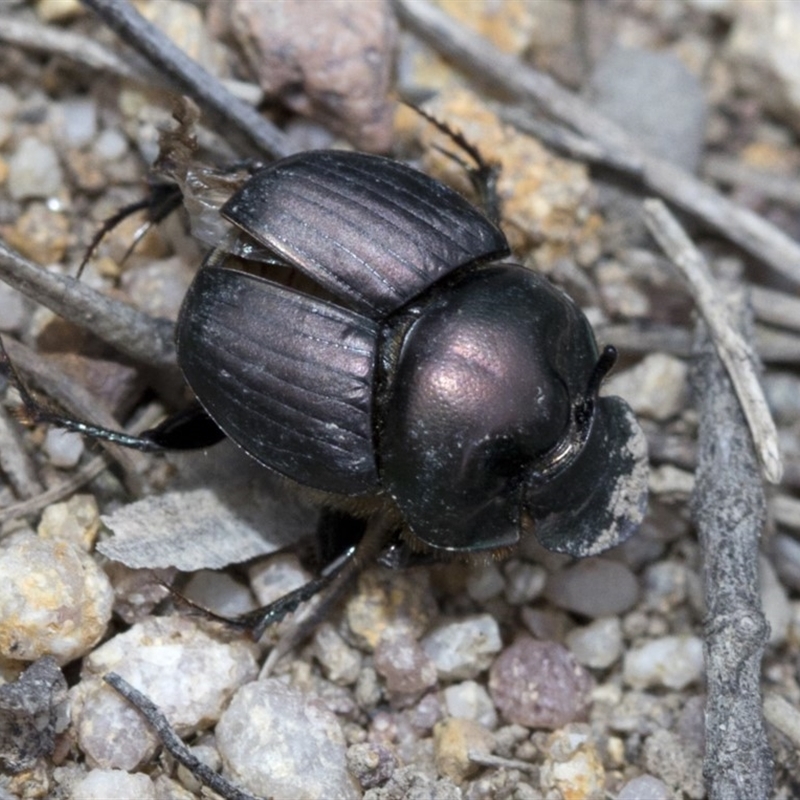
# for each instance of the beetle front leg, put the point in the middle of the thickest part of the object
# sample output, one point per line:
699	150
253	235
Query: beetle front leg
188	429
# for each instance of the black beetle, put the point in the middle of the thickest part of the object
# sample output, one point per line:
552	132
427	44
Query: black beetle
463	389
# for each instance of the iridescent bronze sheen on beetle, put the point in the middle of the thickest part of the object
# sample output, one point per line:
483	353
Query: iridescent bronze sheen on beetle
463	389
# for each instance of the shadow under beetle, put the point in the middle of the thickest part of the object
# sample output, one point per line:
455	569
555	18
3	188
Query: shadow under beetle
461	390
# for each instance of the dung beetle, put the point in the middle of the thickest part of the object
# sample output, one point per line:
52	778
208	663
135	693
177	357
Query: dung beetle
460	390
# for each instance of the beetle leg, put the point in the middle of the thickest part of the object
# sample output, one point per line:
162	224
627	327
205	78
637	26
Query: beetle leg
185	430
257	621
380	529
483	176
162	200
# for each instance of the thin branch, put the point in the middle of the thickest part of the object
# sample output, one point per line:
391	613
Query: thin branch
784	716
507	74
33	505
733	172
729	511
82	50
188	77
735	353
15	463
77	48
144	338
776	308
786	511
173	743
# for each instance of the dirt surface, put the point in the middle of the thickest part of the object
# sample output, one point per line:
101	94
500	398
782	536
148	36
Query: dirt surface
664	668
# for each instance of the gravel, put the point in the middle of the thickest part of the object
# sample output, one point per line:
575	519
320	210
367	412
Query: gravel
281	743
539	684
586	676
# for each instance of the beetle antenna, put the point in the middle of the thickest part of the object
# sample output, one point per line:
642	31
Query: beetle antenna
483	176
603	366
585	406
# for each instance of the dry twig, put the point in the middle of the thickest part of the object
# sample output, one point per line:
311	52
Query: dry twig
144	338
33	505
729	510
82	50
188	77
172	742
734	352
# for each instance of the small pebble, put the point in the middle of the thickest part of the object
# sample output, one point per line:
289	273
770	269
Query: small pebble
645	787
33	712
137	591
671	123
427	712
280	743
594	587
761	54
40	233
387	599
525	581
668	757
639	712
539	684
656	387
405	666
333	65
182	669
12	309
110	145
9	102
665	586
372	764
597	645
674	662
63	448
276	576
102	784
54	600
159	286
485	581
340	662
412	783
573	765
469	700
219	592
76	520
367	690
34	170
76	121
453	740
546	623
463	649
